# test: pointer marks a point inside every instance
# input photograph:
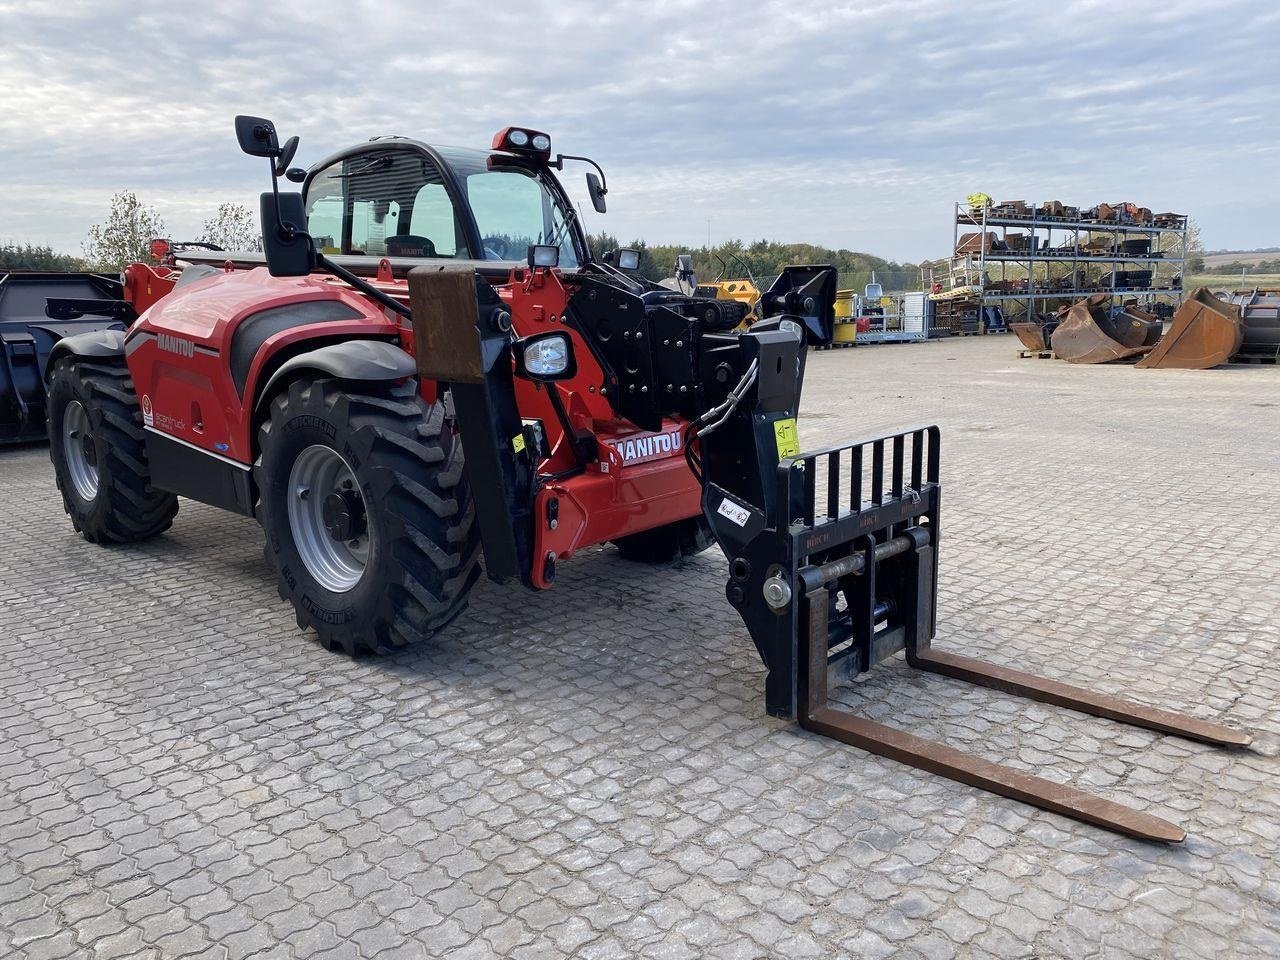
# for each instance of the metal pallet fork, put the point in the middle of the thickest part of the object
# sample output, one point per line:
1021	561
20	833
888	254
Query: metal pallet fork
854	580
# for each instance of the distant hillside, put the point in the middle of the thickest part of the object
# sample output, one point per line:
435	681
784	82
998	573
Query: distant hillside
764	259
1218	258
1254	261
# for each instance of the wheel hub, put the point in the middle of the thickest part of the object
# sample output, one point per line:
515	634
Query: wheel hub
88	449
80	451
343	515
328	518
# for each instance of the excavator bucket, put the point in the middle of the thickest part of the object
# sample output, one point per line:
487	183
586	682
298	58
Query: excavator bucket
1206	331
1030	334
1153	324
1089	334
1260	315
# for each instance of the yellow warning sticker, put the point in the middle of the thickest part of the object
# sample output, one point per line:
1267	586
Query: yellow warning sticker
784	432
517	443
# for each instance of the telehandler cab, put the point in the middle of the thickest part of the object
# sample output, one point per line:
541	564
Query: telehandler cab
415	301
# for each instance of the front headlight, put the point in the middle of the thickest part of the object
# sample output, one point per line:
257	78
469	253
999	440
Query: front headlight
549	357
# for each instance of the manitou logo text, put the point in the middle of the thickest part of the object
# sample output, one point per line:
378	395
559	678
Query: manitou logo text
184	348
648	446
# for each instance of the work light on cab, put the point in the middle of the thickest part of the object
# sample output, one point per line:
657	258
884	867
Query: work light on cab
544	255
532	143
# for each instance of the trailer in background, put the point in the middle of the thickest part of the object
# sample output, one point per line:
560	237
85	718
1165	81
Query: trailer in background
36	311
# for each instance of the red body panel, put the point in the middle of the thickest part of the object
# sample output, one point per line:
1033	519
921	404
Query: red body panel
192	396
639	481
145	285
616	496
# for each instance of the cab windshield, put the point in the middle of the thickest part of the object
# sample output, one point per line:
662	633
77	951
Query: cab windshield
392	202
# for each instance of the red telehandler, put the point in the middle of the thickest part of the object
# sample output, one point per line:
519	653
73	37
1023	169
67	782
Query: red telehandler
412	302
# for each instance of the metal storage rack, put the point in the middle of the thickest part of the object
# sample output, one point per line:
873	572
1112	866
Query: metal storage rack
1081	243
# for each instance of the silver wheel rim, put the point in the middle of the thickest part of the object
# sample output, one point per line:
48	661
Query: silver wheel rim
75	435
317	474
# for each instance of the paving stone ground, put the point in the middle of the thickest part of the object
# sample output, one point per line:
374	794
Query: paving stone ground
589	773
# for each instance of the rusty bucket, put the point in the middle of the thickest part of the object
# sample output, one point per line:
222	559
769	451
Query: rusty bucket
1205	332
1031	335
1260	317
1088	333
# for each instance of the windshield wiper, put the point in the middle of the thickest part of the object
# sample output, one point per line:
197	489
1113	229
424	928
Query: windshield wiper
373	164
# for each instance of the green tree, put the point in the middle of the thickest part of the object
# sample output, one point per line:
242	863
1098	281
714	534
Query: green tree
125	236
764	260
1195	242
232	228
28	256
1195	248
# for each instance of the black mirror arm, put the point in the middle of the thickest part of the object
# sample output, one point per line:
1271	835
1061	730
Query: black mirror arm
368	289
286	230
559	165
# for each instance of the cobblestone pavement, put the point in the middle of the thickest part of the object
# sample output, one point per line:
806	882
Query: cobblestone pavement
590	773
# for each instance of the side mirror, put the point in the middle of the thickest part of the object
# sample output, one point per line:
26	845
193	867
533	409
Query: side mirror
288	246
286	156
295	174
257	137
596	190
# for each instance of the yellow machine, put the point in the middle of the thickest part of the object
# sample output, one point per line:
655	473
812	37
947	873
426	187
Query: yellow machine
744	291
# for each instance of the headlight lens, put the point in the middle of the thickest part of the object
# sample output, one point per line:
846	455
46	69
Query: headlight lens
542	142
547	356
544	255
517	138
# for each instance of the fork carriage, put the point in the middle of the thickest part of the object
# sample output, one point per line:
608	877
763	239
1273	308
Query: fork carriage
840	572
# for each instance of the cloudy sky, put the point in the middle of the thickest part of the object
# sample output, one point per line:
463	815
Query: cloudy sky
848	124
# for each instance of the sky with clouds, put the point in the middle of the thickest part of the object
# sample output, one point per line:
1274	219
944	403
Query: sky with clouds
847	124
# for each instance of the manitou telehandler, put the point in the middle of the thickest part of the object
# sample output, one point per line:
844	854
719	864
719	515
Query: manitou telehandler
418	301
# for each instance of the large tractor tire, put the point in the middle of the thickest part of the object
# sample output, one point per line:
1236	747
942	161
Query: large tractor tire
369	522
99	455
667	544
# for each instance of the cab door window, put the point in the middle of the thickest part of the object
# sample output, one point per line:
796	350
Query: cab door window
372	222
433	219
383	203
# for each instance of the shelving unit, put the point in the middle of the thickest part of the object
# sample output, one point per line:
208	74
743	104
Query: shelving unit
1145	260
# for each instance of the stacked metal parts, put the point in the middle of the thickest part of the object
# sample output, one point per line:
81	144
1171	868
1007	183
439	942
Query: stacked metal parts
1028	260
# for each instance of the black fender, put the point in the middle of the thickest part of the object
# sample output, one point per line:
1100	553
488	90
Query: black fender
93	344
358	360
